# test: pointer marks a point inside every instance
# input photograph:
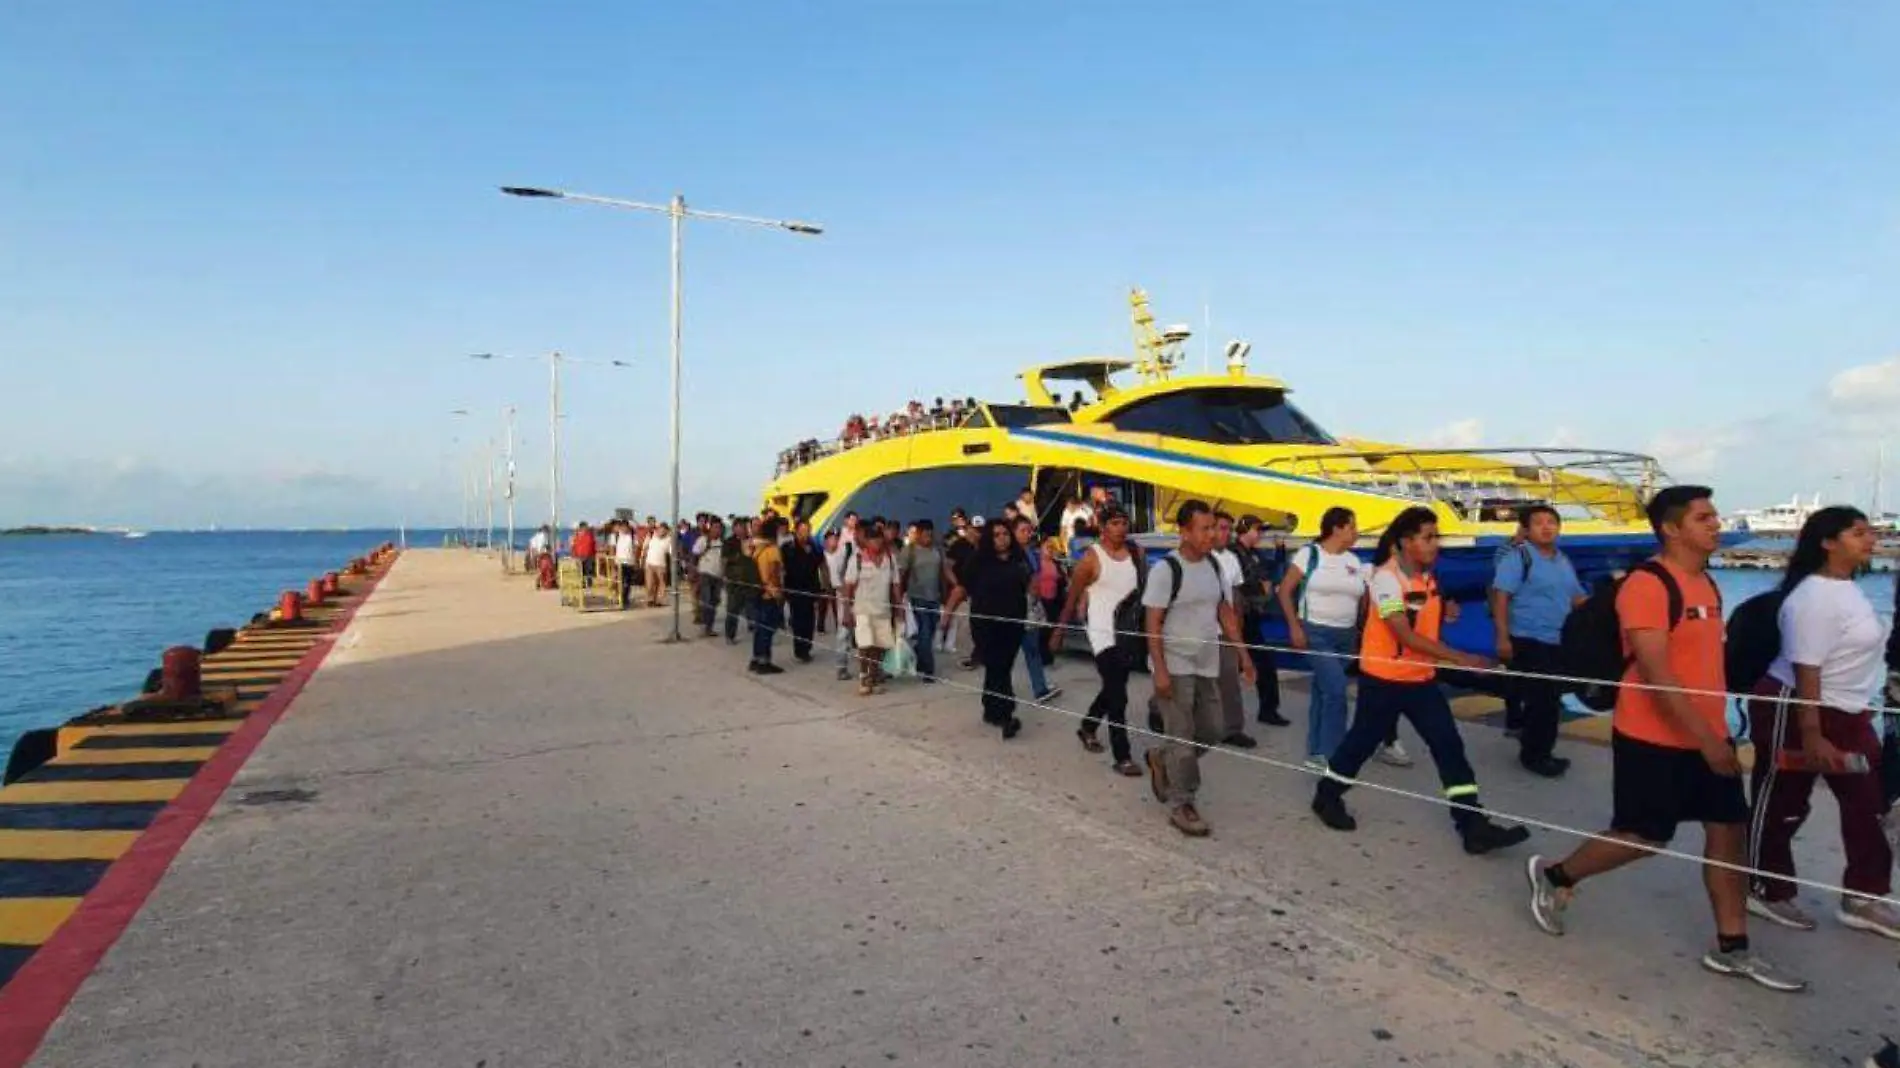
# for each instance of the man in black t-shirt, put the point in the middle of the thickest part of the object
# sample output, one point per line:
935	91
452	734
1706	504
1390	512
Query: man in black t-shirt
957	549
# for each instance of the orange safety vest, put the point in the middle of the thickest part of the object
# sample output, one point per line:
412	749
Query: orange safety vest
1379	648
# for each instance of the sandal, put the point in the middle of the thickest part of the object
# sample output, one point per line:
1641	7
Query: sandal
1089	741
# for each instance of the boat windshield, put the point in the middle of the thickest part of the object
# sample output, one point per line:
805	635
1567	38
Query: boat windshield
1224	415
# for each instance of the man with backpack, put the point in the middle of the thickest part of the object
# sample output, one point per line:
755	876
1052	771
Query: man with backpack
1105	592
1532	594
1671	755
1187	614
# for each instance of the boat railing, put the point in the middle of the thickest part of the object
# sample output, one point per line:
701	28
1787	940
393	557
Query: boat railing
812	450
1490	484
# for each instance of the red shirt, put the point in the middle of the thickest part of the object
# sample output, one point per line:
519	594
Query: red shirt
584	543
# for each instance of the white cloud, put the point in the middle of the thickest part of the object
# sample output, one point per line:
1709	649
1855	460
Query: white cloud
1869	387
1694	453
1458	434
1563	437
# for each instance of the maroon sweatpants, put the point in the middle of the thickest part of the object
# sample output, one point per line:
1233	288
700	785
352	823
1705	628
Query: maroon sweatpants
1781	795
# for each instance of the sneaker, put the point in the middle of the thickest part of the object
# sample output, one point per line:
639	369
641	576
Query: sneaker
1888	1057
1050	694
1128	768
769	668
1157	775
1547	902
1011	728
1550	767
1240	741
1314	763
1481	836
753	667
1331	810
1272	718
1875	916
1187	819
1747	964
1786	913
1395	755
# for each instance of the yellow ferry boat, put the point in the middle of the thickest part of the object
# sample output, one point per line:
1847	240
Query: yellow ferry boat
1153	436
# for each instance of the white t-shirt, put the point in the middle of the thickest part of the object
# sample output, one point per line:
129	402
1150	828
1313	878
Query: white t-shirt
1828	623
1191	630
1071	514
872	599
623	548
712	558
1334	586
1230	573
835	561
538	543
659	548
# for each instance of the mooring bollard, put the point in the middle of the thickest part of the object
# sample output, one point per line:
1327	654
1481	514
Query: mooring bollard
313	594
331	584
179	680
290	607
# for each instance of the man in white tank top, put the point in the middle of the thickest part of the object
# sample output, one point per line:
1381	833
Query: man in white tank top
1107	577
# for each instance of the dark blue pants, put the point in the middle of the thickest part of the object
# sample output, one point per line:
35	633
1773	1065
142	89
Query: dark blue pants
1381	704
768	618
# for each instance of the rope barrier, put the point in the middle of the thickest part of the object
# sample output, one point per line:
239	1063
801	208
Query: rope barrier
1396	791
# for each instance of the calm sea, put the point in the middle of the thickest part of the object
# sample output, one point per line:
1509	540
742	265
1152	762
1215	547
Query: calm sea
83	618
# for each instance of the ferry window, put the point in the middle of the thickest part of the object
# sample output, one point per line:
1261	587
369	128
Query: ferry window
931	493
806	505
1019	415
1236	416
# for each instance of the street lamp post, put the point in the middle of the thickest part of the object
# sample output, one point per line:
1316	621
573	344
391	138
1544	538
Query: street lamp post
555	360
464	477
508	490
678	213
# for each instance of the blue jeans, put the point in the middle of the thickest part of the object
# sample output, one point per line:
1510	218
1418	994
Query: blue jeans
1032	659
768	618
925	640
1326	715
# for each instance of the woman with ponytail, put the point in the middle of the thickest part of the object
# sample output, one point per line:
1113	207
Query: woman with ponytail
1813	716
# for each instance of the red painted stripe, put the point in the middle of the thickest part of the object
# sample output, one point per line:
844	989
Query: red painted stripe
41	989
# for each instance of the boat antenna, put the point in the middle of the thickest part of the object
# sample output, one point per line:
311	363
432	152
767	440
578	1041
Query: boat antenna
1207	333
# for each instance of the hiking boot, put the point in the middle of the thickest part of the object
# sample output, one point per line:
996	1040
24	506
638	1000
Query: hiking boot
1157	775
1395	755
1876	916
1547	902
1240	740
1272	718
1550	767
1481	836
1786	913
1331	810
1187	819
1746	964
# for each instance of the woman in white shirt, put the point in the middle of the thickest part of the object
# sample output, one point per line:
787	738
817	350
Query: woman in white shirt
1813	716
1321	595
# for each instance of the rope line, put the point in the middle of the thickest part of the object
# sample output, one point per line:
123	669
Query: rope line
1754	873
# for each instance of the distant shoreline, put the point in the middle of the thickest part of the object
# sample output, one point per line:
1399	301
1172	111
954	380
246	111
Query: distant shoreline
19	532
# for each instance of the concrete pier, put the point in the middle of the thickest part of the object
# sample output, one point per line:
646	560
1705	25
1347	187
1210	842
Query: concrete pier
492	832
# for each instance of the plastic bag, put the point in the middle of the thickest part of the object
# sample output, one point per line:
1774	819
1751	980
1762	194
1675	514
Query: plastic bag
901	661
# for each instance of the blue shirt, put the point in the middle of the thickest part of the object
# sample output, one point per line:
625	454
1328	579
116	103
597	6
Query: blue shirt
1541	598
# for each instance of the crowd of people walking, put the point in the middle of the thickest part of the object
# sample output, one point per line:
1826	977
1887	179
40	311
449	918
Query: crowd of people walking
896	600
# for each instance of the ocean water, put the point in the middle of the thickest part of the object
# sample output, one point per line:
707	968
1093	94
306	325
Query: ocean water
84	617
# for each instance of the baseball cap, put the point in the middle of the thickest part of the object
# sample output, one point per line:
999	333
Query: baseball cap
976	520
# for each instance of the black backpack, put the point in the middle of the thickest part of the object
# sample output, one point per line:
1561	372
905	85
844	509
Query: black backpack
1593	638
1754	640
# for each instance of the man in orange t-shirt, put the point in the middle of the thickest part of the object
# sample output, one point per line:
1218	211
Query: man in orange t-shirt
1671	755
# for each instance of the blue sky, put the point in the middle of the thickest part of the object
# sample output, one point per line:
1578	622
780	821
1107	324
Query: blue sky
243	246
